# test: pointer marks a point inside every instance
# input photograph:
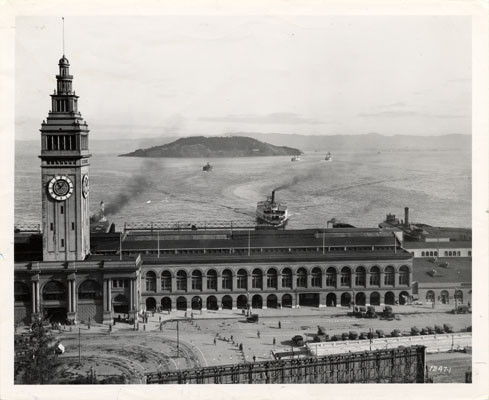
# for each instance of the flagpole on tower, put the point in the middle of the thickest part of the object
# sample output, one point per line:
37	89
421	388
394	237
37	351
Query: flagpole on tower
63	18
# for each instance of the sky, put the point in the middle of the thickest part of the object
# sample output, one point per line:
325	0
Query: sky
147	76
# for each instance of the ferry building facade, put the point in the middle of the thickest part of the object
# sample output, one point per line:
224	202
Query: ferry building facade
65	272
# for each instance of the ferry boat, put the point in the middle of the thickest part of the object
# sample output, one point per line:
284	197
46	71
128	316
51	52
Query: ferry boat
295	158
272	213
328	157
207	167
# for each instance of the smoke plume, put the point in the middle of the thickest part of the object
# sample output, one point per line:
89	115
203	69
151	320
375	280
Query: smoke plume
137	184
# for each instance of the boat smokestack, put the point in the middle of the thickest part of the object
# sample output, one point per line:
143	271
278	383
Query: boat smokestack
273	196
102	212
406	216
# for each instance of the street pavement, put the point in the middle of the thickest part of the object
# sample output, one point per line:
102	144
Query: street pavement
214	337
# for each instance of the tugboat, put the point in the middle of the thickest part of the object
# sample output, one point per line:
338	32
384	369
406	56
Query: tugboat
295	158
328	157
207	167
272	213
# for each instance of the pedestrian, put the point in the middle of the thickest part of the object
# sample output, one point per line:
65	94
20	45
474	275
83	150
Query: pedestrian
279	325
160	318
258	334
144	327
254	358
185	315
241	347
274	341
231	338
215	341
191	315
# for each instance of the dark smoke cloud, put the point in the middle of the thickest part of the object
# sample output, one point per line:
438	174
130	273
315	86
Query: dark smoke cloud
292	182
137	184
312	173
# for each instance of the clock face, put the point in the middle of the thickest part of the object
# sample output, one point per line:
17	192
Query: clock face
60	187
85	186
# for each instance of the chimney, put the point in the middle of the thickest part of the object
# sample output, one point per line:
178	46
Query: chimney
273	196
406	216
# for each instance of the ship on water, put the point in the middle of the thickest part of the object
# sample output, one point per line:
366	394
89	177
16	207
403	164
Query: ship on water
295	158
270	212
207	167
328	157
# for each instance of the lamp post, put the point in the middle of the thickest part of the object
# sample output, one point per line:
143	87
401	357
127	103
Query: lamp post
178	341
79	345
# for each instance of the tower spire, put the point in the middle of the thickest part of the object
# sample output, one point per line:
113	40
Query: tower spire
63	18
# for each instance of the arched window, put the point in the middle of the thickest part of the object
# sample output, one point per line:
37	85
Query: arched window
257	279
345	277
211	280
166	281
430	296
422	254
90	290
21	292
272	278
331	277
458	253
227	279
436	254
150	281
459	296
54	290
242	279
375	276
181	280
404	275
389	275
302	278
286	278
360	277
196	280
446	253
316	277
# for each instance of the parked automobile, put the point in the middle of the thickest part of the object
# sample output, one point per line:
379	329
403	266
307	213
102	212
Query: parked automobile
352	335
321	336
415	331
396	333
371	312
461	310
345	336
373	335
448	328
430	330
298	340
363	336
380	333
439	329
252	318
335	338
388	313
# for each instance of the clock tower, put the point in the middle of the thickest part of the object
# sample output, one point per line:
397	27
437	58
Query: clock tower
64	169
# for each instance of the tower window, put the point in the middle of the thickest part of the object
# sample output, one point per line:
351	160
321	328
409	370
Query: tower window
62	210
62	243
51	226
72	226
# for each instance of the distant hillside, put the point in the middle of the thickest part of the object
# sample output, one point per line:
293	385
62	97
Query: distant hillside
217	146
370	141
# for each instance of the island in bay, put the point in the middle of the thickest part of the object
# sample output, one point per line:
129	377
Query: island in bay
217	146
